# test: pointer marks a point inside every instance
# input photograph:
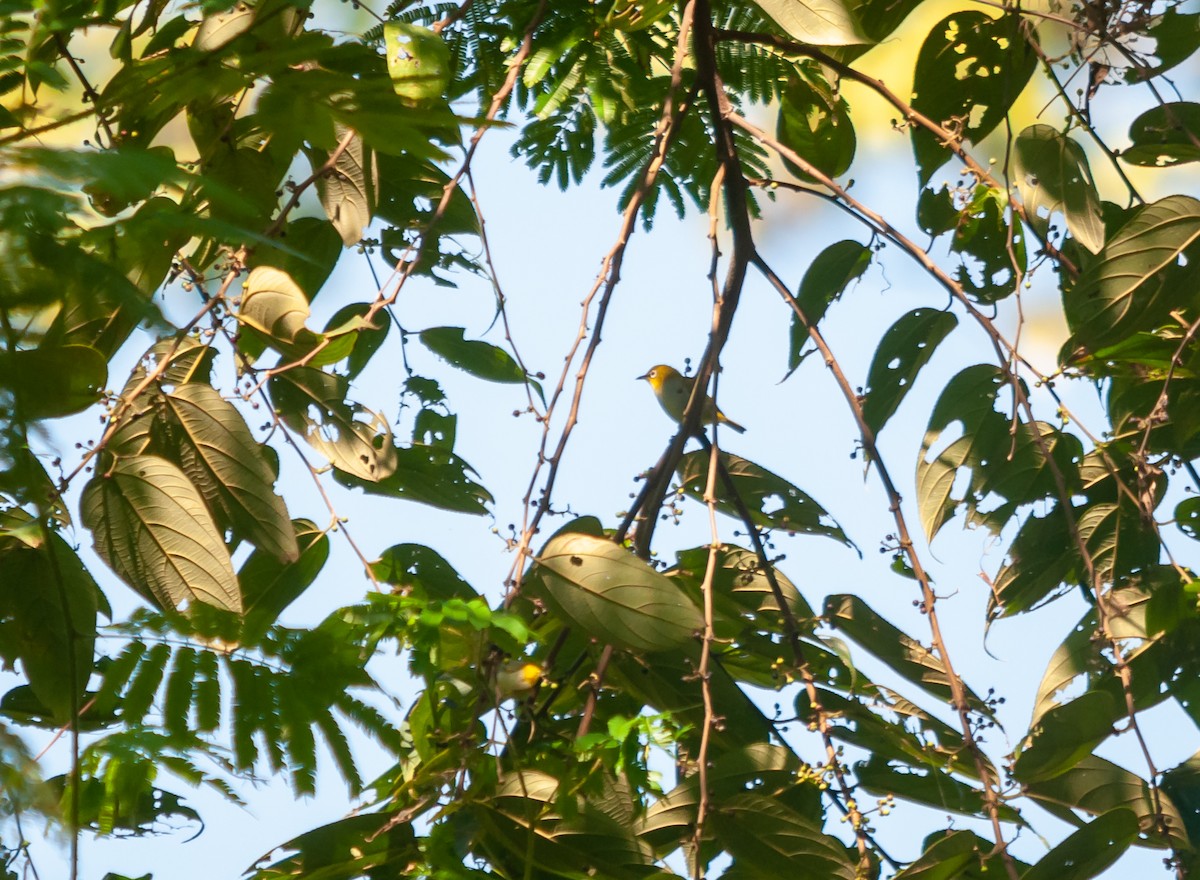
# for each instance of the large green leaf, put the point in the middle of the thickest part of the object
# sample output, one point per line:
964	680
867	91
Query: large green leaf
1090	850
814	121
612	595
476	357
824	281
768	770
1096	785
769	840
931	787
816	22
356	440
1136	281
1065	734
420	569
418	60
951	855
970	70
772	501
48	608
151	526
901	652
1165	135
220	456
904	349
270	584
1002	456
1052	174
51	381
430	475
275	306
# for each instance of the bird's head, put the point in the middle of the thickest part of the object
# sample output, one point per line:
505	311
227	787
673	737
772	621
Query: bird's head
659	374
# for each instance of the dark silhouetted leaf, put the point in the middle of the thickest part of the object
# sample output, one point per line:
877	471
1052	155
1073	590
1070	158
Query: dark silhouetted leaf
905	348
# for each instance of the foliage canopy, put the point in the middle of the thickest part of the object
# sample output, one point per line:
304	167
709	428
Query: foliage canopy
180	226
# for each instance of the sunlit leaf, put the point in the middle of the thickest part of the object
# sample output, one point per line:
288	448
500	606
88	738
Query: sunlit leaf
418	60
221	457
356	440
348	189
612	595
768	840
970	70
816	22
151	526
1052	174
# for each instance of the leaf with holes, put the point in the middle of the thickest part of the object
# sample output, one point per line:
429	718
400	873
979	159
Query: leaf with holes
356	440
474	356
906	347
1166	135
612	595
970	70
220	456
151	526
1052	175
1003	457
834	269
773	502
418	60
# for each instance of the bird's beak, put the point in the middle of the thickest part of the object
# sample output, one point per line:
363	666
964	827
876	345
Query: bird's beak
644	376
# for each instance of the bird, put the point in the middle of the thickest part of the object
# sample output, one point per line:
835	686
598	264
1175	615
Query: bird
516	678
673	390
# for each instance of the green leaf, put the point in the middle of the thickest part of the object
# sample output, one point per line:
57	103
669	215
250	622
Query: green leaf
1090	850
768	770
1133	285
1165	135
814	121
773	502
824	282
419	570
612	595
946	856
52	380
48	608
348	189
269	584
275	306
418	61
970	70
1002	456
928	786
220	455
1096	786
429	475
357	441
367	338
1065	734
769	840
1052	174
905	348
481	359
816	22
151	526
903	654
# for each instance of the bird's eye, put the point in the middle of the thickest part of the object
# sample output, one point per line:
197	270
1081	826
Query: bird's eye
654	374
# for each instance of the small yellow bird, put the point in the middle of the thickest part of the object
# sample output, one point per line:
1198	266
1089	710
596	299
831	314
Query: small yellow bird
516	678
673	391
